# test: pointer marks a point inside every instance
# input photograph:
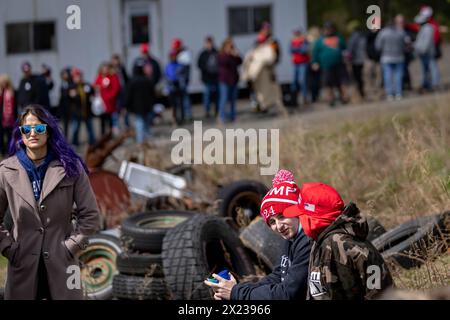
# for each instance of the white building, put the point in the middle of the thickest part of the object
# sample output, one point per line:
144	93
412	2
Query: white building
36	31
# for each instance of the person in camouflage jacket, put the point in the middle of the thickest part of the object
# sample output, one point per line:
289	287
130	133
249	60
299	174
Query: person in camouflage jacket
343	264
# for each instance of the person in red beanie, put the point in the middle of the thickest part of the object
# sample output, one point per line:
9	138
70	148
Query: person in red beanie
343	264
288	281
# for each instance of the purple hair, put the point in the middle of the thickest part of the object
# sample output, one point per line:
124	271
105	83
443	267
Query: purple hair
56	141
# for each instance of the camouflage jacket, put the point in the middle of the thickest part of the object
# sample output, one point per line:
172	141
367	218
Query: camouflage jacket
343	264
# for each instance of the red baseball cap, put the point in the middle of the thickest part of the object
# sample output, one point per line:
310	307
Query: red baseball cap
145	48
176	43
318	206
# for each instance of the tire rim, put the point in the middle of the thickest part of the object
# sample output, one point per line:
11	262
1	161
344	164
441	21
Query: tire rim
244	208
166	222
98	268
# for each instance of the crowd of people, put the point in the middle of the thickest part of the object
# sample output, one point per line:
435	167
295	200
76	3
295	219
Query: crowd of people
320	60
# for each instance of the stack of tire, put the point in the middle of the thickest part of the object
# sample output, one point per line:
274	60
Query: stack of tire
207	244
140	274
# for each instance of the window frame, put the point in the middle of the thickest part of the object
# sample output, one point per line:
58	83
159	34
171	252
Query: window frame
250	16
30	35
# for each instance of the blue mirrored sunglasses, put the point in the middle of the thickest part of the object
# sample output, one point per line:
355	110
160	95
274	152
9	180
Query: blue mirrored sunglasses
39	129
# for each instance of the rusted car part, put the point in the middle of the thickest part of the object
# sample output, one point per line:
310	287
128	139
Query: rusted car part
241	201
196	248
113	197
97	153
98	266
149	182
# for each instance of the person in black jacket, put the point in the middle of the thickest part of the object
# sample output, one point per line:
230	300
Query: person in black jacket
30	88
208	63
46	85
147	58
288	281
139	99
80	95
64	101
123	79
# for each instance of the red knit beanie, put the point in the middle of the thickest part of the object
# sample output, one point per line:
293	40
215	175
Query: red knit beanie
284	193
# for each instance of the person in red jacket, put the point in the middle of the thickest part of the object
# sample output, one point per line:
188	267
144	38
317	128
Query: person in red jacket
108	85
7	111
300	60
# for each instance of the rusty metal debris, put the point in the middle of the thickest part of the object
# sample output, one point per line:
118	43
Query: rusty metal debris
113	197
97	153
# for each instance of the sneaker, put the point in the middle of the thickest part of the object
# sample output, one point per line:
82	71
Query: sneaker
398	97
390	97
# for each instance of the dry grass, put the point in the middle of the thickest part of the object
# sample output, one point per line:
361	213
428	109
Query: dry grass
394	167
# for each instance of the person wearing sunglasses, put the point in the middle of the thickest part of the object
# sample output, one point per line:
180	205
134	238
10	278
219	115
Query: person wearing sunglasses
41	182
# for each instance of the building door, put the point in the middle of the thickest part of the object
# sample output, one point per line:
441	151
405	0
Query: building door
141	26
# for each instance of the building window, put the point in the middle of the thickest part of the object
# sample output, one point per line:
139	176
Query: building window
139	29
43	36
30	37
247	20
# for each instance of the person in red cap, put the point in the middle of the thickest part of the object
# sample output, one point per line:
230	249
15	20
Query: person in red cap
146	58
343	264
288	281
184	60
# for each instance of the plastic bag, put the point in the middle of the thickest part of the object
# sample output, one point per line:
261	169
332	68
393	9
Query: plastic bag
98	106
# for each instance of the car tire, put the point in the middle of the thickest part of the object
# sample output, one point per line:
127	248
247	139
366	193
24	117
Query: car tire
407	243
144	231
266	244
198	247
246	195
145	264
139	288
376	229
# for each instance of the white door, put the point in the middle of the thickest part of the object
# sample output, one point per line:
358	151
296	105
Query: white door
141	26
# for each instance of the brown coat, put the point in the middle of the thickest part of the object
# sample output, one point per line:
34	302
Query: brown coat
44	227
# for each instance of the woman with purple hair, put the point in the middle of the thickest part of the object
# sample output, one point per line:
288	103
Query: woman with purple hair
40	182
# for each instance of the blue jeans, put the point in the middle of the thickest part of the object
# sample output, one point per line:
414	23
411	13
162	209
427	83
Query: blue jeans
142	126
395	70
430	72
76	124
299	81
186	100
227	93
210	91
